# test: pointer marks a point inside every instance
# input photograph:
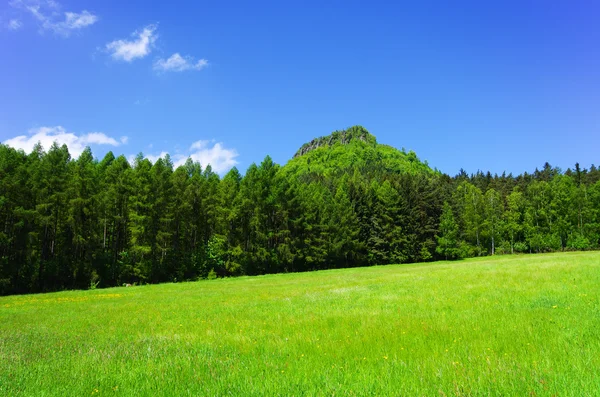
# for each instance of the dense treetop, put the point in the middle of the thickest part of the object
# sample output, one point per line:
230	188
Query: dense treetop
344	200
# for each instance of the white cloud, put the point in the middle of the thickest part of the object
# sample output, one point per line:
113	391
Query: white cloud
48	135
128	50
199	145
77	21
221	159
100	139
45	11
177	63
14	24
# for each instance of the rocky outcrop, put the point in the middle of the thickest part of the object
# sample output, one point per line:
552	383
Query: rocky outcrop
356	133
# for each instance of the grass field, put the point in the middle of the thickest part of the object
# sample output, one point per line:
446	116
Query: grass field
503	326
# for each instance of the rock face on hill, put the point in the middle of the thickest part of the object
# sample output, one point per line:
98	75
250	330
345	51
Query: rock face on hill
353	149
356	133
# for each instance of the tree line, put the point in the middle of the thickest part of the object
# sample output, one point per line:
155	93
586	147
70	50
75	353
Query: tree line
78	223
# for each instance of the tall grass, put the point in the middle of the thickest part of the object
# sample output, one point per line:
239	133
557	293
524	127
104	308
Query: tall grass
524	325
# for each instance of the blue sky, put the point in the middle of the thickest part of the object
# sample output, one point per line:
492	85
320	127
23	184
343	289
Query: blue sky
467	84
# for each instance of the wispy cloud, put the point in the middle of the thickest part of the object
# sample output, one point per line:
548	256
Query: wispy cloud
74	20
139	47
14	24
48	17
220	158
48	135
177	63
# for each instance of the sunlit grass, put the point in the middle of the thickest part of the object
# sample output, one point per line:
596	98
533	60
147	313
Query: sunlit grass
525	325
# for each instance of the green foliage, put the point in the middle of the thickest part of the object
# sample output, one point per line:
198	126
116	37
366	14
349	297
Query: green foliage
215	256
580	243
351	135
466	250
513	218
493	211
470	200
211	275
95	280
331	157
521	247
344	200
425	253
504	248
447	240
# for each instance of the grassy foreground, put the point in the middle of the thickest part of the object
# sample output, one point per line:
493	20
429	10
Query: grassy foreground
525	325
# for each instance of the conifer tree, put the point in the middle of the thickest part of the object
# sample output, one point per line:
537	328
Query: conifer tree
447	239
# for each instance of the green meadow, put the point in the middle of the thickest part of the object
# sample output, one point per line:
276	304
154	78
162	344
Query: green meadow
498	326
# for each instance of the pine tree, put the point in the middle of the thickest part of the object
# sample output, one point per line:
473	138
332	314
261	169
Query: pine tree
447	239
161	219
345	230
137	261
50	181
83	217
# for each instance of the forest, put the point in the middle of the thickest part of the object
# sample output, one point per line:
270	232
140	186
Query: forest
344	200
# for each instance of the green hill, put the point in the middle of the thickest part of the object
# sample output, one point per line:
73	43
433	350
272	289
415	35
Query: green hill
353	148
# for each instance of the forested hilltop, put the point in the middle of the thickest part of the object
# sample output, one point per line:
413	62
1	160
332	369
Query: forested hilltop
343	200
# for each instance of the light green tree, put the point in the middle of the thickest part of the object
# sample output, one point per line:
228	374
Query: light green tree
447	238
